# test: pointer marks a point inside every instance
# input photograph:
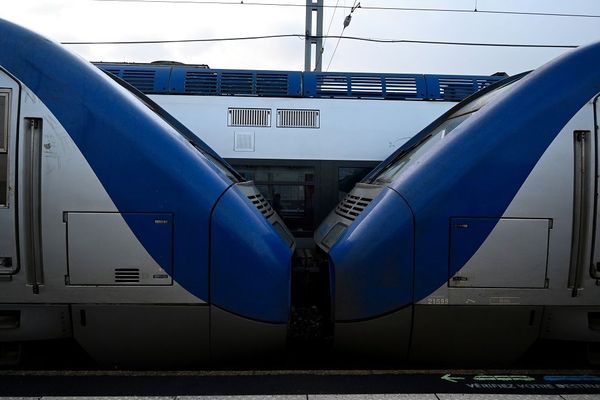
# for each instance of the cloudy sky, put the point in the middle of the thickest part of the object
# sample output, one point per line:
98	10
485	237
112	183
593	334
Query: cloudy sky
93	20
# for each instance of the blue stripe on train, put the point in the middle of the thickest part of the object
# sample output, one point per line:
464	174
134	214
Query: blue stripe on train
477	172
143	164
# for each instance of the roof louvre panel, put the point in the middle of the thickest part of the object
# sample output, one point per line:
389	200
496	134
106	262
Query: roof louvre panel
200	81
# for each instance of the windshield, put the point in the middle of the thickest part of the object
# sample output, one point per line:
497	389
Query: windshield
414	154
431	137
202	147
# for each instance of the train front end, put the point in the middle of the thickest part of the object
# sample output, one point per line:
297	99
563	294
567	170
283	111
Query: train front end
121	229
460	247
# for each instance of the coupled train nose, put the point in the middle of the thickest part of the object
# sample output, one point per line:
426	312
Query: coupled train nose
371	273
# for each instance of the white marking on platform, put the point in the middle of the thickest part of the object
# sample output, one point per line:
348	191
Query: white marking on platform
373	397
472	396
244	397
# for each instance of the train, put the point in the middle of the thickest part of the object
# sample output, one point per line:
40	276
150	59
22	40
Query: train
303	137
124	232
121	229
479	236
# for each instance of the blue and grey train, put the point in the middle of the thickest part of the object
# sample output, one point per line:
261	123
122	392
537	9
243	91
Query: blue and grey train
121	229
480	235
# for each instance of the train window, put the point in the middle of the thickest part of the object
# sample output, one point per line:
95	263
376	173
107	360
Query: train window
436	135
3	149
348	177
290	190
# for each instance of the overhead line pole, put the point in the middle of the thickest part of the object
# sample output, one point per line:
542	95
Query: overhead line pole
314	7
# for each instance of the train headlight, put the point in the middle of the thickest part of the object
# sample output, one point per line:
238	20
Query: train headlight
333	235
284	233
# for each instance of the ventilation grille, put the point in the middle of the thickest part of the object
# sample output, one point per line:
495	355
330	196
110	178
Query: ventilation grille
143	80
272	84
262	205
456	89
127	275
352	206
114	71
298	118
201	82
240	83
365	86
401	88
243	141
257	117
332	85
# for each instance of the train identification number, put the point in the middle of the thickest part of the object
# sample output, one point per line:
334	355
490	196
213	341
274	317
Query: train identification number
437	300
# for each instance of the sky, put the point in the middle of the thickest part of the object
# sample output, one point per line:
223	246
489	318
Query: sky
94	20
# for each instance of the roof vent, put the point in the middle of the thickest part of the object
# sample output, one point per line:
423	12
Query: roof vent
262	204
401	87
142	80
298	119
201	82
237	83
352	206
127	275
272	84
245	117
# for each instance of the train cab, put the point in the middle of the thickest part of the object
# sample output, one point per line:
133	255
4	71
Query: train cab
121	229
478	236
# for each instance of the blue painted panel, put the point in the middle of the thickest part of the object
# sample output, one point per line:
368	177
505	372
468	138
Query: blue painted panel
250	263
465	242
372	262
159	236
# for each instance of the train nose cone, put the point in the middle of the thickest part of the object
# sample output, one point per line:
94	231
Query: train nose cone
372	263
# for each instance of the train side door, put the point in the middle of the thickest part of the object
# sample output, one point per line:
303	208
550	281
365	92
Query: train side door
9	98
594	268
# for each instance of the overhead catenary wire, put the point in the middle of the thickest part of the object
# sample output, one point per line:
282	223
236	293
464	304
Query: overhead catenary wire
381	8
335	8
346	23
339	37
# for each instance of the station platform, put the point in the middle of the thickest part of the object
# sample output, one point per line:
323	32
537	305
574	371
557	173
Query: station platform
337	397
302	385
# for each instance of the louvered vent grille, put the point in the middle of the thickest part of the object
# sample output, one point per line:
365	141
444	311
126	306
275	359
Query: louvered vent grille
201	82
262	205
352	206
114	71
332	85
481	83
127	275
258	117
362	85
401	87
142	80
272	84
239	83
366	86
456	89
298	118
